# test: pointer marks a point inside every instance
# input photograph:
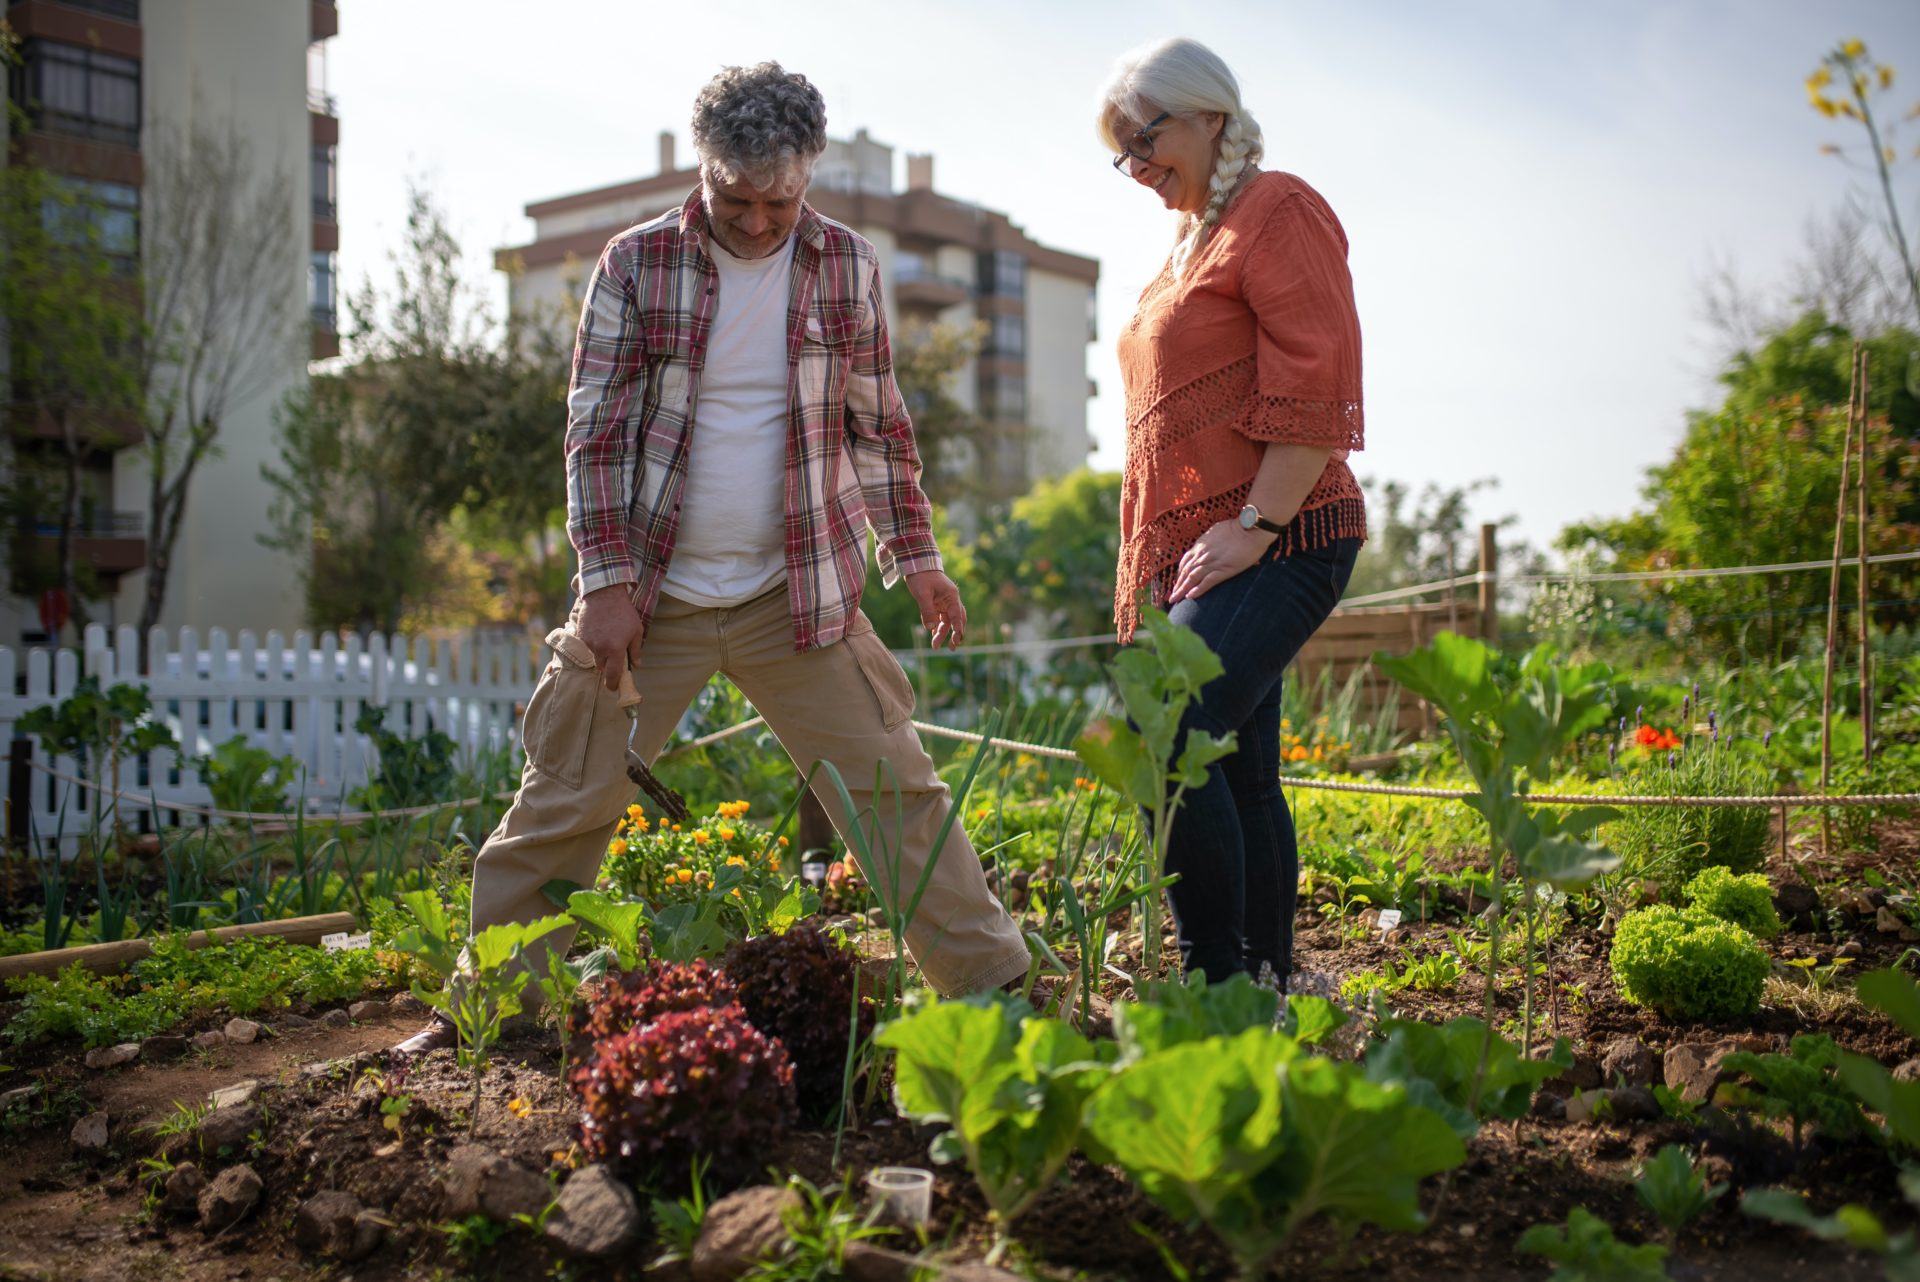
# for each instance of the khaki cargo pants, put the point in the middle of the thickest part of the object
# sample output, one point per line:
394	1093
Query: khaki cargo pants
848	703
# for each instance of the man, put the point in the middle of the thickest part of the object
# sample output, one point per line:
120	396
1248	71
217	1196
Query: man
733	425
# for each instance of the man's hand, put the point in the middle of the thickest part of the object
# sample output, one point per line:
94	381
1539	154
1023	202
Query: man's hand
611	628
1216	556
941	613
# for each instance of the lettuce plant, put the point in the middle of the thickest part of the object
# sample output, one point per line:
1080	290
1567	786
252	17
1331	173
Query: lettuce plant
1585	1250
800	987
622	1002
1462	1072
1688	964
1746	900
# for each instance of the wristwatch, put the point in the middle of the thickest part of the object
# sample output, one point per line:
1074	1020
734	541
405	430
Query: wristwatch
1250	519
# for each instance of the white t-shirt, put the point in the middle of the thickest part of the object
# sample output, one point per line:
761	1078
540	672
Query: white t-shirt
731	544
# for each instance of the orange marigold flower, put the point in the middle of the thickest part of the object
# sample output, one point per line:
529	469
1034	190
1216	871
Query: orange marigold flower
701	837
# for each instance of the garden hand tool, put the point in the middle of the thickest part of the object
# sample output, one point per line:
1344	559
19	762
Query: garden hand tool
671	803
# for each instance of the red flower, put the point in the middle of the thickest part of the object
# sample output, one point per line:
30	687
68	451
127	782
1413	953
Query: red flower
1648	737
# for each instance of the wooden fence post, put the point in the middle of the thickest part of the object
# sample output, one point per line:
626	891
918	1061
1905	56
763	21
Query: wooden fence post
1489	585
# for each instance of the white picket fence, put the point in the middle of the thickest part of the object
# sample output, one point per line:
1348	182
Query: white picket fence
298	700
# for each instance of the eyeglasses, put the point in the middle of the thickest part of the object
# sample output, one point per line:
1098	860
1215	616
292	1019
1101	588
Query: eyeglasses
1141	145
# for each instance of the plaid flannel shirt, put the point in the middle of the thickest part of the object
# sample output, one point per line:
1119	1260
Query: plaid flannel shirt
851	460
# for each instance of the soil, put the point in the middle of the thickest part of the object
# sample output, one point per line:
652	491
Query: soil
65	1215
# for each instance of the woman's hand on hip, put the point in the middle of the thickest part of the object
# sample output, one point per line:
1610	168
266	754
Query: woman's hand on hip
1216	556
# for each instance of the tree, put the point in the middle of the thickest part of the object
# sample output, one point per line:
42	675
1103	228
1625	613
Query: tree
1053	554
926	360
1864	81
222	322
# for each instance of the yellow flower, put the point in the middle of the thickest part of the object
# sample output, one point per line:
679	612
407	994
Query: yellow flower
683	876
735	861
616	847
636	810
1285	724
1023	759
736	892
701	837
639	825
676	827
1820	79
728	834
1853	49
783	841
521	1107
1886	77
1827	107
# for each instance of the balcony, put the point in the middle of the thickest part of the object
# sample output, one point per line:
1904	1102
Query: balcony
109	543
323	22
917	285
126	10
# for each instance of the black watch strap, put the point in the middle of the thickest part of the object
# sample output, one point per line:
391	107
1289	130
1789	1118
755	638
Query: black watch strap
1271	527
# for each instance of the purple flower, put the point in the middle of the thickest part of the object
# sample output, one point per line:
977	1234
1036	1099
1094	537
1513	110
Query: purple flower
1713	720
1640	714
1766	740
1686	707
1669	758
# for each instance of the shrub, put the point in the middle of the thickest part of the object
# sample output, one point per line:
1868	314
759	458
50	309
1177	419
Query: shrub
1746	901
799	987
1671	844
1688	964
690	1084
622	1002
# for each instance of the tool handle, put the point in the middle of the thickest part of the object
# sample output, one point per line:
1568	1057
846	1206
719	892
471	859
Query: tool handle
629	696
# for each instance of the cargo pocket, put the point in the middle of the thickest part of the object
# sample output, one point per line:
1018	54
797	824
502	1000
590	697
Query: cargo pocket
883	673
560	715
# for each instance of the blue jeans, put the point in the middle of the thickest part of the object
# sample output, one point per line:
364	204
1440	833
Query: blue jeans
1232	840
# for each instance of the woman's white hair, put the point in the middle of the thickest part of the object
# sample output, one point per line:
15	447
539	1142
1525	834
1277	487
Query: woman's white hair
1186	78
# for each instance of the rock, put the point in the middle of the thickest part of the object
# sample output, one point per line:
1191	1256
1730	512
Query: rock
1851	949
113	1056
1628	1060
226	1201
211	1040
236	1095
1548	1107
1908	1072
1589	1106
89	1134
163	1046
366	1010
226	1128
1856	900
293	1021
1889	922
973	1271
1583	1075
334	1223
1636	1103
336	1019
183	1187
242	1031
1796	901
1693	1069
406	1004
741	1228
597	1215
18	1095
481	1182
868	1263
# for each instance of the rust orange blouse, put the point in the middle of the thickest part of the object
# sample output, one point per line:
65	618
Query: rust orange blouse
1256	342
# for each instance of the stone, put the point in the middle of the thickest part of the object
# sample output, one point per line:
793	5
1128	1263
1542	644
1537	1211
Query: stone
336	1019
1851	949
183	1188
597	1215
1548	1107
1693	1069
332	1222
293	1021
1589	1106
1582	1075
740	1229
236	1095
89	1134
18	1095
226	1128
1796	901
1636	1103
1856	900
163	1046
226	1201
974	1271
211	1040
1907	1072
404	1003
868	1263
366	1010
1889	922
113	1056
242	1031
481	1182
1627	1060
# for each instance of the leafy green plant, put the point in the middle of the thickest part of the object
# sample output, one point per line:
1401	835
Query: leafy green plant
1153	766
411	772
677	1222
1674	1189
1745	900
1009	1087
1853	1224
1688	964
802	987
469	1239
245	778
1171	1013
622	925
560	982
1460	1071
485	992
1896	996
1508	720
1802	1086
1585	1250
819	1232
1674	844
1436	973
433	938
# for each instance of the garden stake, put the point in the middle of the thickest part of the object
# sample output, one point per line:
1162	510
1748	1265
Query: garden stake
1833	608
669	801
1866	650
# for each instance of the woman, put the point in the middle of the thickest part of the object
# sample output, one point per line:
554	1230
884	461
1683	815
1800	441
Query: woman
1238	512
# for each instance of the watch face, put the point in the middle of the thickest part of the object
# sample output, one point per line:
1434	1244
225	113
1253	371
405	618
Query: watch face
1248	515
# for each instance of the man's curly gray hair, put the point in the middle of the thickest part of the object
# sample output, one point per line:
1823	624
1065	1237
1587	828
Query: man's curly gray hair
759	124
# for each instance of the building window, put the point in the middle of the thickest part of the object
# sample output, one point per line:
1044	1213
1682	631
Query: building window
1009	337
101	215
1003	273
323	192
1005	397
69	90
320	292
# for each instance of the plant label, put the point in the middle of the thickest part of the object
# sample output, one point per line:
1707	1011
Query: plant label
341	941
1389	918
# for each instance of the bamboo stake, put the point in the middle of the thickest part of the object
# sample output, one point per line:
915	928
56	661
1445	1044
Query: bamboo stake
1866	646
1833	611
107	959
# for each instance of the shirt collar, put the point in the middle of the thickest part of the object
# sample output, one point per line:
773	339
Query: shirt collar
693	223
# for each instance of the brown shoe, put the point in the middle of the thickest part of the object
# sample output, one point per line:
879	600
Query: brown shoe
438	1035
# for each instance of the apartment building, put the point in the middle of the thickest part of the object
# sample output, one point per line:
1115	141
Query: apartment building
99	81
943	261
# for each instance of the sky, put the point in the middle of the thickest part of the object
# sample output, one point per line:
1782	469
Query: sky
1533	191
